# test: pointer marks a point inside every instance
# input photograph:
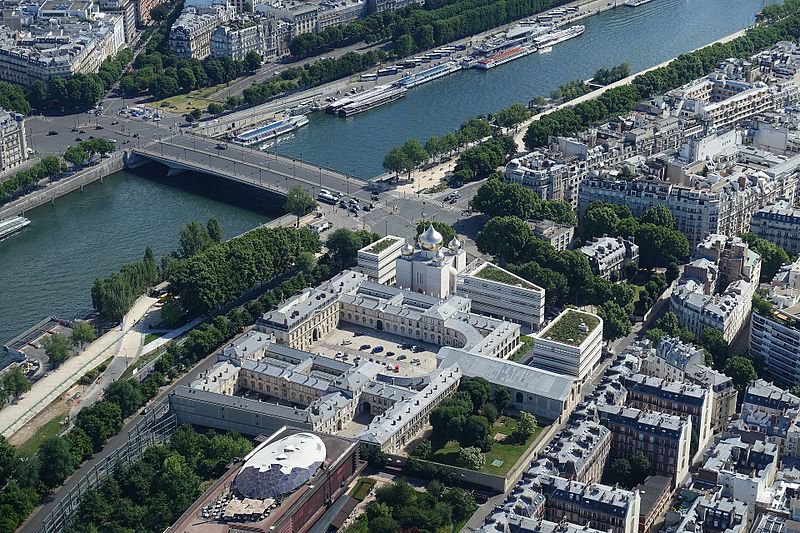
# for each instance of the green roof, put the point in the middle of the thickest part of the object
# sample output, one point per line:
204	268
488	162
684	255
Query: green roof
567	329
381	245
492	273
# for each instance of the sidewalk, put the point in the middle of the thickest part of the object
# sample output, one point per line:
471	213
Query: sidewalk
47	389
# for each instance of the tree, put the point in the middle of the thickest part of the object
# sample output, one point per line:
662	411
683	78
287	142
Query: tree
598	220
512	116
187	80
471	457
397	161
7	460
253	61
215	108
374	456
214	230
659	246
57	461
502	398
75	155
772	255
620	472
424	449
479	390
489	411
505	238
462	502
193	239
299	202
526	426
344	245
57	348
415	154
659	215
616	322
475	432
83	332
654	335
196	114
714	342
640	468
740	369
15	382
126	394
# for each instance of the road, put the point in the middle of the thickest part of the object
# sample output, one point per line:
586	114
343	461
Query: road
261	169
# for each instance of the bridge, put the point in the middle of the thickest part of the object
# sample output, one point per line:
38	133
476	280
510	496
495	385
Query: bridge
265	170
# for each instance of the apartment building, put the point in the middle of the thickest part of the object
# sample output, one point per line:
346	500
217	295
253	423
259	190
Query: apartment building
609	256
663	438
775	331
190	36
675	398
240	36
717	287
596	505
778	223
559	236
579	452
127	9
744	471
13	144
674	360
771	414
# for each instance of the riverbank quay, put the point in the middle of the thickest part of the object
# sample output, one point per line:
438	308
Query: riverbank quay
50	387
221	125
55	189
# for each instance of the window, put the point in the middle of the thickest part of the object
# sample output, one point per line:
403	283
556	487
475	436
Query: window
520	398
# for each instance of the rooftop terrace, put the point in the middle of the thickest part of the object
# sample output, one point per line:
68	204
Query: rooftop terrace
569	328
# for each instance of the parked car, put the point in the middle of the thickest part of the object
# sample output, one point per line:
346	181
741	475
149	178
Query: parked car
377	349
389	354
346	342
401	357
365	347
52	132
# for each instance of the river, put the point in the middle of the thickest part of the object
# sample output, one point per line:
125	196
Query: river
642	37
49	268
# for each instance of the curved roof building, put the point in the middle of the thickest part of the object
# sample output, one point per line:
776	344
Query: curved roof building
280	467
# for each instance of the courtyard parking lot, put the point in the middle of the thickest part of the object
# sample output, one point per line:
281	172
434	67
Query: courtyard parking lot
352	342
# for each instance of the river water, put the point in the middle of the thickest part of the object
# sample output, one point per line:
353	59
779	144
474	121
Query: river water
49	268
643	36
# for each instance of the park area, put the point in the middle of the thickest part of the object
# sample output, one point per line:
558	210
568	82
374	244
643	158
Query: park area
504	453
474	429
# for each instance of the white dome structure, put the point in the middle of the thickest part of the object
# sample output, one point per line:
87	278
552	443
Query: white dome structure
280	467
407	249
454	244
430	239
438	257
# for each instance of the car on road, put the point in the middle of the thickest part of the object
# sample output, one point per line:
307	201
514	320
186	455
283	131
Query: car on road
374	196
417	349
52	132
353	209
377	349
357	334
81	131
78	139
112	141
115	122
365	347
222	146
342	204
99	127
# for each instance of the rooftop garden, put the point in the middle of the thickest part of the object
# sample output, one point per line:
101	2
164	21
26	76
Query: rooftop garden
526	343
492	273
567	329
381	245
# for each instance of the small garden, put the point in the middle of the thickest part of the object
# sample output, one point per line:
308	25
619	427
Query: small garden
470	430
492	273
526	343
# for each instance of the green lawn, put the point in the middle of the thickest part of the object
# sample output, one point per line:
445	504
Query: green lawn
183	103
509	454
50	429
527	343
150	337
362	488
